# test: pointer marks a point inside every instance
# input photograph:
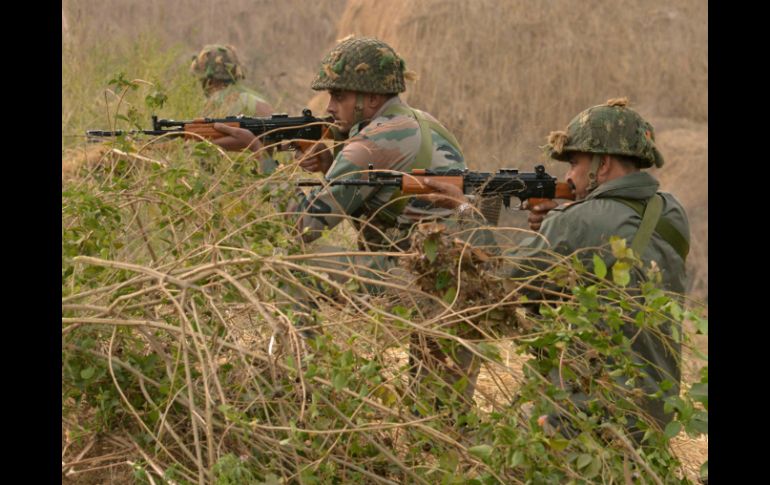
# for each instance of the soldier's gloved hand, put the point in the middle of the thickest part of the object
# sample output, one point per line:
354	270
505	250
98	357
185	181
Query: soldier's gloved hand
445	195
538	212
317	159
237	138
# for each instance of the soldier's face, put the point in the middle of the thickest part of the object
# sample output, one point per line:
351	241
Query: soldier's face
577	176
342	106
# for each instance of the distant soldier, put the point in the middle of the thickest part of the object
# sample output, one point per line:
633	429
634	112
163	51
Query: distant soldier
607	147
219	70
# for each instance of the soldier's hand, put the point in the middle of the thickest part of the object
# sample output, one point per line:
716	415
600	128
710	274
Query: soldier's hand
317	159
236	139
538	213
446	195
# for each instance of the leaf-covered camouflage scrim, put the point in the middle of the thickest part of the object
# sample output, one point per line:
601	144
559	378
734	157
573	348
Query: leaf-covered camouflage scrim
362	64
218	62
611	128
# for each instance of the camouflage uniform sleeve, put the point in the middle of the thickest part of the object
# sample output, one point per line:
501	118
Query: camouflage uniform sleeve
388	144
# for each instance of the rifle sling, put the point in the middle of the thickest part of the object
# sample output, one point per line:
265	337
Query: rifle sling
663	227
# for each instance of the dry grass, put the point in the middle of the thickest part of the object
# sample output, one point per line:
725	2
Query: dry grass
279	42
693	452
504	74
501	75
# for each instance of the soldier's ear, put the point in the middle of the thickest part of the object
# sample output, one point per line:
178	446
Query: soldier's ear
605	164
375	100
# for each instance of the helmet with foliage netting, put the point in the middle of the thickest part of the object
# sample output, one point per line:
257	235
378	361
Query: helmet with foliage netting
218	62
611	128
362	64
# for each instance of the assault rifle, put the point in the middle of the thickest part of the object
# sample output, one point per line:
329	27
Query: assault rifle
532	187
274	129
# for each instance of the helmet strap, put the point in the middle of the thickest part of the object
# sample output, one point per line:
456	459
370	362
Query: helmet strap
593	170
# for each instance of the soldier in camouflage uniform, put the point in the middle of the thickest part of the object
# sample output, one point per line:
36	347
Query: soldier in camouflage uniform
219	70
364	77
607	146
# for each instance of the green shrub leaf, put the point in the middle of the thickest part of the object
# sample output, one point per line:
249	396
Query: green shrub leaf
600	269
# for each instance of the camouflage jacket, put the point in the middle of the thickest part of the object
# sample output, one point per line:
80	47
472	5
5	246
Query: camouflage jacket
234	100
589	223
391	140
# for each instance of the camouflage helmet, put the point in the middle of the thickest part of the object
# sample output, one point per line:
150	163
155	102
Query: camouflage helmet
218	62
611	128
362	64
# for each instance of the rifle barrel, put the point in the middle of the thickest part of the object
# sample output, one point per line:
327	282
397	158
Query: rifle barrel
369	183
94	133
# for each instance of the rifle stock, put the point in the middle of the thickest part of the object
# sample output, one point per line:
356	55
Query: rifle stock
563	191
197	130
413	183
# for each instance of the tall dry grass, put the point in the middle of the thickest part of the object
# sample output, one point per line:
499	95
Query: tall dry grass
278	41
503	74
500	74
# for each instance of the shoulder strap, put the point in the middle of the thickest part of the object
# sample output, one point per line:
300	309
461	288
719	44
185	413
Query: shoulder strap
423	159
647	227
664	228
424	155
